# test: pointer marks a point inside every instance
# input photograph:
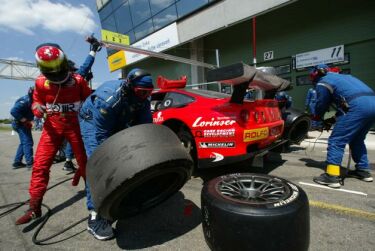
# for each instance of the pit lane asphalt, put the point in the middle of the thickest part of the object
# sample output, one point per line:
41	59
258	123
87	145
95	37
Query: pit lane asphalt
339	220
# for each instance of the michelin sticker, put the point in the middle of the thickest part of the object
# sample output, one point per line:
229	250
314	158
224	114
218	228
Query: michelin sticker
216	144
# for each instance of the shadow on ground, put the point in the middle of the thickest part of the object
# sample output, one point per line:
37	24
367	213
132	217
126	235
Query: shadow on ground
271	161
167	221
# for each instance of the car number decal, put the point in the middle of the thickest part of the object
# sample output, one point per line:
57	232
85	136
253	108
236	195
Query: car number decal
255	134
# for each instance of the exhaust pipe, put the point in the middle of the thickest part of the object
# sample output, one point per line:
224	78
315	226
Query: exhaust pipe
297	125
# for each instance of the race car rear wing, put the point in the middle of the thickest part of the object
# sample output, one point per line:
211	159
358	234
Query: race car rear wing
243	76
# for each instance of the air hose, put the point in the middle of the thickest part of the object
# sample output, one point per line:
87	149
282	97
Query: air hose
44	218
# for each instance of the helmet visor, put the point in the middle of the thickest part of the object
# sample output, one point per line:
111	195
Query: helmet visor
142	92
57	77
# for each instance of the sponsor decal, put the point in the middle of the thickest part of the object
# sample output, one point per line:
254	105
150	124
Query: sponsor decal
66	107
216	133
213	122
159	118
219	133
217	144
216	156
290	199
255	134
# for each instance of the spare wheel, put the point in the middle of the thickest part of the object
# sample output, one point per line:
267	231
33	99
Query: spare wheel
136	169
254	212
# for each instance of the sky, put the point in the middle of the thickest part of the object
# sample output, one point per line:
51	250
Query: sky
24	24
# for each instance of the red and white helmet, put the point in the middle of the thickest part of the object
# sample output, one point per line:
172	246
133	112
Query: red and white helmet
52	63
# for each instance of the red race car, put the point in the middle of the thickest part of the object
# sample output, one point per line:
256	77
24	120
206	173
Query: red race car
218	128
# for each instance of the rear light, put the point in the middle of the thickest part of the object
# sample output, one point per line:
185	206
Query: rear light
275	130
259	117
244	115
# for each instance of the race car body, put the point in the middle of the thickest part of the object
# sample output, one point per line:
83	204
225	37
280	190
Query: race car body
215	131
218	128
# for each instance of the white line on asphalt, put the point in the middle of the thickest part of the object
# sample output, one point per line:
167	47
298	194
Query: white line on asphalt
335	189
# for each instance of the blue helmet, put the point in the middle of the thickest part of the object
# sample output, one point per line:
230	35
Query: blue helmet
140	78
140	82
280	96
317	72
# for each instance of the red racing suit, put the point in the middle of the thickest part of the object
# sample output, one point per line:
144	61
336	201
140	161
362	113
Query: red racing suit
62	103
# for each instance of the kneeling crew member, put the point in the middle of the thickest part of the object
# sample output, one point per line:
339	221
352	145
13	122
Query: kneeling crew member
114	106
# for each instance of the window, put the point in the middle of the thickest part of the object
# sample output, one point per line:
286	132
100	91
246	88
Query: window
158	5
124	22
174	99
105	12
109	24
303	80
143	30
165	17
140	11
185	7
117	3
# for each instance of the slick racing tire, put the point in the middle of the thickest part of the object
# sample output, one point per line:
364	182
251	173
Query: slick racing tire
254	212
137	169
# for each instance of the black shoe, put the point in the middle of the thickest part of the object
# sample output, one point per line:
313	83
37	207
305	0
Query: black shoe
29	166
69	166
328	180
58	159
99	227
360	174
17	165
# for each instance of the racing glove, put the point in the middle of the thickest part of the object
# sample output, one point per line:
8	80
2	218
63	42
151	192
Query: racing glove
328	123
95	45
28	124
38	110
81	172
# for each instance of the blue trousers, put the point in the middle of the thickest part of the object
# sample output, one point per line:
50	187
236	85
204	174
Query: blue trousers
352	128
69	151
25	148
314	123
91	139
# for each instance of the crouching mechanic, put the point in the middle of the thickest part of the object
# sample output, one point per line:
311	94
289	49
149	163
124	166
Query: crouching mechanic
355	103
57	96
114	106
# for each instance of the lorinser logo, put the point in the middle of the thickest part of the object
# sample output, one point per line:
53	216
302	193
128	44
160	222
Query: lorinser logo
213	122
66	107
216	144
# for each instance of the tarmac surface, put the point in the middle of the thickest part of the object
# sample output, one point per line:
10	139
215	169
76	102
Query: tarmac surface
340	219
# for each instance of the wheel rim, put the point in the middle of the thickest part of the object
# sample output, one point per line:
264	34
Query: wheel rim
253	189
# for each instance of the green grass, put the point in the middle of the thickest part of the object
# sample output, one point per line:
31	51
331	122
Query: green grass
5	128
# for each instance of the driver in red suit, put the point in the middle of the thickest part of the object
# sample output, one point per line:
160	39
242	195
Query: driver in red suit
57	96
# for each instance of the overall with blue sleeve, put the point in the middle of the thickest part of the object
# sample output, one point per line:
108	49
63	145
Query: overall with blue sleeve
355	104
310	104
22	124
84	70
114	106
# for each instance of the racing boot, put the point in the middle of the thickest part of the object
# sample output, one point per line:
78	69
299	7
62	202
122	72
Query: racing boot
69	166
34	211
331	177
